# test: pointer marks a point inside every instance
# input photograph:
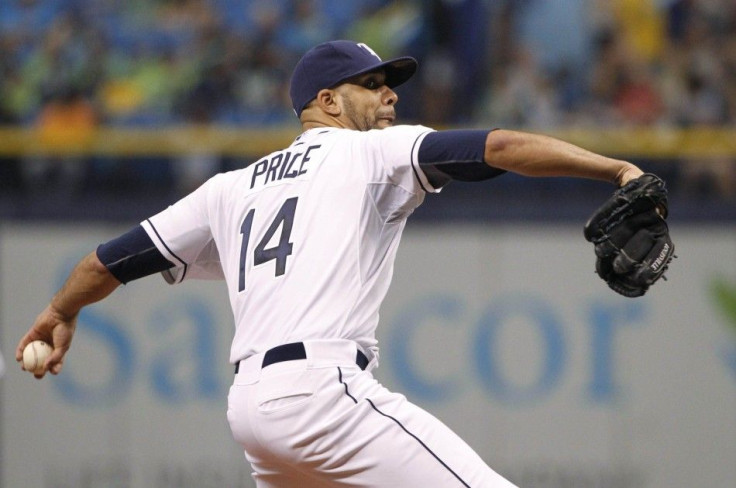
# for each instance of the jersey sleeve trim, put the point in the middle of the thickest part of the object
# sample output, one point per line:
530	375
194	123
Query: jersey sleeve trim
132	255
421	177
168	275
456	154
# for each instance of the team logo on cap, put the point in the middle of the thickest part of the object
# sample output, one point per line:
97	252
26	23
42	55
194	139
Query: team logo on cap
369	50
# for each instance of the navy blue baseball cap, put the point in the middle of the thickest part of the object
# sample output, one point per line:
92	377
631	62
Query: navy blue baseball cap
329	64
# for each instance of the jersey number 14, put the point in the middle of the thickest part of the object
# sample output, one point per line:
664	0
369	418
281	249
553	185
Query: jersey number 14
279	252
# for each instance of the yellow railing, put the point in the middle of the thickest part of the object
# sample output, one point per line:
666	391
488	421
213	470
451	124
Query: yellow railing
145	141
232	141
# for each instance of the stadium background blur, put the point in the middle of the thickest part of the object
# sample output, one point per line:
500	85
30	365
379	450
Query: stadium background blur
145	99
111	110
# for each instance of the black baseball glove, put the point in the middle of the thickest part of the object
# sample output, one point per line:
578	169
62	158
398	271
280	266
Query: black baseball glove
631	237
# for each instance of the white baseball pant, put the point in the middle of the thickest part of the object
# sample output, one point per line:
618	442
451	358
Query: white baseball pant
323	422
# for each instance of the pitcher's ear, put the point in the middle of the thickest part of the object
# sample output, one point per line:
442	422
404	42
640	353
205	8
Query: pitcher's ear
327	101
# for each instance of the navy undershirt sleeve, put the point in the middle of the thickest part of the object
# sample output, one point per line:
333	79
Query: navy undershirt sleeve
132	255
455	155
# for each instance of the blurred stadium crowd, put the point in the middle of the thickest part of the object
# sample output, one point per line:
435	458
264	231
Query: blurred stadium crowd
531	64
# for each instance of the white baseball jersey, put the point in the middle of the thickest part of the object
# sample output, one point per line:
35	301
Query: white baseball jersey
305	237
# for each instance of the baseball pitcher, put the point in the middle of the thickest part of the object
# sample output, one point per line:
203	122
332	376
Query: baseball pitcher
306	238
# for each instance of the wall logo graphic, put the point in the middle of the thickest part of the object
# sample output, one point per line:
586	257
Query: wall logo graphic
723	293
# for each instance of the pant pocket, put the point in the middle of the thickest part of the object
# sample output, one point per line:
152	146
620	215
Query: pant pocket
281	392
283	402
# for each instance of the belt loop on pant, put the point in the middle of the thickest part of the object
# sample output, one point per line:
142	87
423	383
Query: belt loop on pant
294	351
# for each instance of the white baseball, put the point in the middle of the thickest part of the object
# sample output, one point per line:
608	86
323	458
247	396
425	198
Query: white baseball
34	356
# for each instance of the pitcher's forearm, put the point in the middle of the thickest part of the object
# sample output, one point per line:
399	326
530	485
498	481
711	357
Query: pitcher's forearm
89	282
538	155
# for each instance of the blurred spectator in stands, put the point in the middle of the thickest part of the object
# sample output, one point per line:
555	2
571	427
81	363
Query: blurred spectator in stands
62	60
642	26
702	101
455	70
625	87
609	60
66	129
728	50
561	36
640	40
303	26
678	14
522	95
637	99
702	97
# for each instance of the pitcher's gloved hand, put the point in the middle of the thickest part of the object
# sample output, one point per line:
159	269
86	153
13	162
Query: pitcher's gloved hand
630	236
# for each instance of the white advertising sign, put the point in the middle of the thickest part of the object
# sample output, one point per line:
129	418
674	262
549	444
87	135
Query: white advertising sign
505	333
